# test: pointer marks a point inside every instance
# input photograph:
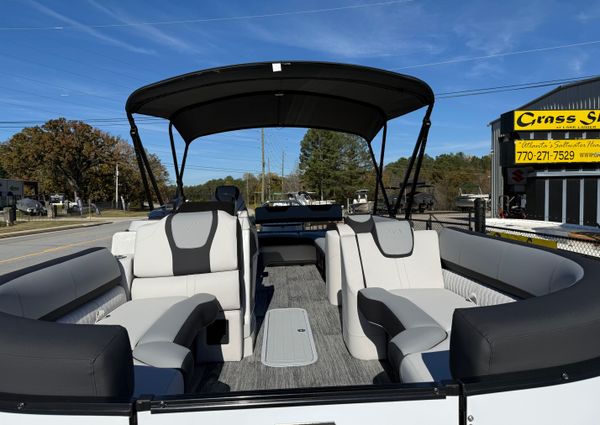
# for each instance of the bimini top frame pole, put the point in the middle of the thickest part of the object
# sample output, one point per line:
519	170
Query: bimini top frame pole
347	98
417	155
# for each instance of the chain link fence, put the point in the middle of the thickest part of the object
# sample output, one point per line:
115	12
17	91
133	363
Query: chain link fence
582	243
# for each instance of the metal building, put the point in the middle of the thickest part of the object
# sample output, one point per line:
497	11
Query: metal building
549	162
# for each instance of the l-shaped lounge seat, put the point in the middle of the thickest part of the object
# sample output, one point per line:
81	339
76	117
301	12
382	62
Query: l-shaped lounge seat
89	288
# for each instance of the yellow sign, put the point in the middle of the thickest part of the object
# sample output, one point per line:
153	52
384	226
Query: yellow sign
557	120
557	151
527	239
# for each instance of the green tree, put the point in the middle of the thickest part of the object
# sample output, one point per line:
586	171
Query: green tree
447	173
73	157
333	164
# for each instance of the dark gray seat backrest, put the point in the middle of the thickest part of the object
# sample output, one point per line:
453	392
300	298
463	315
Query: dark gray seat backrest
230	193
394	238
41	357
52	289
529	271
55	359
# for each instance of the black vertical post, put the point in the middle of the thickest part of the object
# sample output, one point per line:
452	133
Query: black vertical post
183	161
420	139
134	137
423	137
175	164
480	215
150	173
383	191
378	181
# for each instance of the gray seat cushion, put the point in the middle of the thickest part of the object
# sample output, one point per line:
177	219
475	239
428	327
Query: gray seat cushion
392	312
170	319
320	244
428	366
165	355
438	303
417	322
182	321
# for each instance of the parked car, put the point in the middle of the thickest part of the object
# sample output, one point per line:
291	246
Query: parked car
31	206
160	212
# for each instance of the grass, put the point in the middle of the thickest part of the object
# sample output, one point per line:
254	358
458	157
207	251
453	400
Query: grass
121	213
34	225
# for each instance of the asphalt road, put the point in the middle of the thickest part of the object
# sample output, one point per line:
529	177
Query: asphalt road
23	251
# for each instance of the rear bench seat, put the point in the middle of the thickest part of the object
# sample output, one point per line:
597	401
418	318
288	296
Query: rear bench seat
89	288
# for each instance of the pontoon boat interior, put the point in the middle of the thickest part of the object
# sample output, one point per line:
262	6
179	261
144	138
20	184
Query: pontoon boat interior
211	300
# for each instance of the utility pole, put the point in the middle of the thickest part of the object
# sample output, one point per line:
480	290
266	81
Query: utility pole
248	200
262	146
117	186
282	159
269	176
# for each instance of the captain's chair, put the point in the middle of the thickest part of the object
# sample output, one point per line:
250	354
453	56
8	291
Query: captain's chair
198	249
393	290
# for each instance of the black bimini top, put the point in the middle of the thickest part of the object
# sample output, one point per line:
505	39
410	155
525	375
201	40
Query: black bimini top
347	98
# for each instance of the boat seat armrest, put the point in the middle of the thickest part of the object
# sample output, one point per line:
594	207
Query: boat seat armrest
415	340
182	321
392	312
165	355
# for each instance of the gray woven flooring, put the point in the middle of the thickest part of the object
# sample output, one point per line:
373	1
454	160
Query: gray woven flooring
303	287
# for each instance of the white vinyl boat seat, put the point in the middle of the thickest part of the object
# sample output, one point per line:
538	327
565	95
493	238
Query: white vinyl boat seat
203	248
415	321
88	289
161	330
395	303
320	243
192	251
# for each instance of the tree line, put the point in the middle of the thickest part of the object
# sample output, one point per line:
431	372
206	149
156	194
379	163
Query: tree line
447	174
74	158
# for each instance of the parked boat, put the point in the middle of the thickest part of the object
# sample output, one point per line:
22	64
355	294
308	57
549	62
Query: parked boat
200	318
361	204
465	201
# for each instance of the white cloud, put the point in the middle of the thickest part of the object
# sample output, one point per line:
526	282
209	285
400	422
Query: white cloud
378	32
90	31
147	31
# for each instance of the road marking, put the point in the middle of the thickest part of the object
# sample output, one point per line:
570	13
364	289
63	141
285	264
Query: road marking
54	249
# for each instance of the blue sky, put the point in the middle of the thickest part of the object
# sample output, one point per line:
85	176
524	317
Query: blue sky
81	59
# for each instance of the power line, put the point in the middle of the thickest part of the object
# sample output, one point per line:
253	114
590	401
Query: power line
498	55
85	77
443	95
70	58
47	84
207	20
508	88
